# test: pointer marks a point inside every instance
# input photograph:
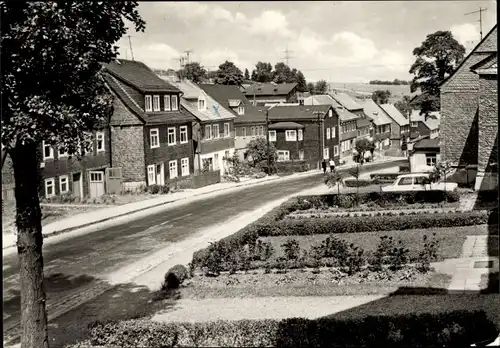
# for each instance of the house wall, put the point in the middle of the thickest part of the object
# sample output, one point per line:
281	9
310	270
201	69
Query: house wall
421	128
221	144
332	122
347	136
128	152
418	161
293	146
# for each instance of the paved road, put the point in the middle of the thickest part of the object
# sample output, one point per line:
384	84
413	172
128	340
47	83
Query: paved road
74	266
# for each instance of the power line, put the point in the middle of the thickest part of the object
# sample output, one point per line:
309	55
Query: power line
480	11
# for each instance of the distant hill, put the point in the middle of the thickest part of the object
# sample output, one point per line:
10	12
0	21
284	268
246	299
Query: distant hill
365	89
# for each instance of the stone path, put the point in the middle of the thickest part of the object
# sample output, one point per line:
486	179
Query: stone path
468	201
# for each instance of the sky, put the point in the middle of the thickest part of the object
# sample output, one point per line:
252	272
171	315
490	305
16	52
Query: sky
339	41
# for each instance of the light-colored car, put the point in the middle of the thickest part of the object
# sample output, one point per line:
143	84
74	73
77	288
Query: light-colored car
418	182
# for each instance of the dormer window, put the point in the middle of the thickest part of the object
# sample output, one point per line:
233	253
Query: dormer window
201	103
166	100
241	110
148	102
330	113
175	103
156	103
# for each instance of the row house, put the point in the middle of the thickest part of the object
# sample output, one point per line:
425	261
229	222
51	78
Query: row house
400	128
420	125
469	109
382	124
151	135
262	93
213	130
302	132
250	121
347	133
364	124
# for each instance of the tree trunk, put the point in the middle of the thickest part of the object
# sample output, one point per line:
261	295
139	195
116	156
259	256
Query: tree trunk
338	188
29	247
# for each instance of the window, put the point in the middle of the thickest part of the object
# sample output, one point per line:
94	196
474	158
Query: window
175	105
300	135
243	132
154	138
172	169
184	134
414	124
151	175
333	132
63	184
49	188
156	103
216	161
226	130
100	141
48	151
208	132
201	103
421	180
326	153
171	136
430	159
216	131
166	100
330	113
328	133
61	153
148	103
301	154
226	154
185	166
336	150
272	135
283	155
261	130
241	110
291	135
405	181
252	131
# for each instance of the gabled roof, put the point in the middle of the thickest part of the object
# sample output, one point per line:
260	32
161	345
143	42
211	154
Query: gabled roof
363	122
375	112
346	101
138	75
286	125
262	89
297	112
345	115
223	94
394	113
432	121
321	99
427	144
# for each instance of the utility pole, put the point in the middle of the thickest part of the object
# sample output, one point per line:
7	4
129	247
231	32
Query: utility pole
480	11
130	43
180	60
187	55
287	56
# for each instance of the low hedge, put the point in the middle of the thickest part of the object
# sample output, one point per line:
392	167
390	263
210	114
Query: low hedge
456	328
382	177
358	183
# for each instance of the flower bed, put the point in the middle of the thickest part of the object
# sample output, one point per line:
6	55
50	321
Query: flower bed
356	213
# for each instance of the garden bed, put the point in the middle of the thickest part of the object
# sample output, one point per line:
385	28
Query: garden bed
374	207
355	213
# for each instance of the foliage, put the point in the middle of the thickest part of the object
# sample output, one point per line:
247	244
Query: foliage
247	74
193	72
358	183
396	82
335	179
259	150
389	253
362	146
229	74
235	167
291	249
346	256
310	87
321	87
291	167
404	106
175	277
440	171
381	97
428	254
283	73
263	72
301	82
437	57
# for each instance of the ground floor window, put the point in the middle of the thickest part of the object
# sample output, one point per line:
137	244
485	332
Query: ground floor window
301	154
63	184
336	150
172	169
430	159
151	175
216	161
49	187
283	155
185	166
326	153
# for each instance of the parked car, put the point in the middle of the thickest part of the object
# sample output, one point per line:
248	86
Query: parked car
418	182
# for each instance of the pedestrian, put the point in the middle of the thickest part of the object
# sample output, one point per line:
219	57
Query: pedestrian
323	164
332	165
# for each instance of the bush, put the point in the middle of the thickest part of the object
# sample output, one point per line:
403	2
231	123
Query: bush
346	201
404	169
259	175
358	183
389	253
291	248
164	189
175	277
428	253
154	189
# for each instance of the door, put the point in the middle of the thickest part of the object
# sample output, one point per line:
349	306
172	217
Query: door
160	174
96	184
77	185
326	153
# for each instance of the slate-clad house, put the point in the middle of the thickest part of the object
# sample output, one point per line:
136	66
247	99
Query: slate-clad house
250	121
151	137
364	124
213	131
305	132
400	128
469	113
422	126
347	133
424	154
382	124
262	93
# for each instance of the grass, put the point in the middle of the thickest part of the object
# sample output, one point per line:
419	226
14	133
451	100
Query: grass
451	239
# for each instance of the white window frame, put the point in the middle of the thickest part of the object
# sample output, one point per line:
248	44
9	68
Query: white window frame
333	132
228	128
154	133
184	166
241	110
61	182
148	103
170	168
61	155
156	100
52	182
432	157
290	135
328	133
272	135
243	132
261	130
175	103
169	133
330	113
326	153
300	135
216	131
166	101
200	106
51	151
208	132
301	155
103	148
183	130
286	155
151	174
336	150
252	131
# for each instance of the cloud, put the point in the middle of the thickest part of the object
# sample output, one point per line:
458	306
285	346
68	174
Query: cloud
155	55
309	43
269	23
354	47
464	33
212	59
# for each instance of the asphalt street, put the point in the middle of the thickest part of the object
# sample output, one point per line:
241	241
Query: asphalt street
74	266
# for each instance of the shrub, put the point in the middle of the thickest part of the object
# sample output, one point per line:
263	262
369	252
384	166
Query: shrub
175	277
428	253
389	253
164	189
404	169
348	257
346	201
154	189
357	183
291	248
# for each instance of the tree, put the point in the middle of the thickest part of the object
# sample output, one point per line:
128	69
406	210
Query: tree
310	87
258	150
404	106
356	173
254	75
437	58
51	90
247	74
381	97
301	82
193	72
335	179
362	146
263	72
229	74
283	73
321	87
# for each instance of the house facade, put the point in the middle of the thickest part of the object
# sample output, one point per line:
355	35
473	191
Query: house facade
382	124
422	126
151	134
469	128
213	129
424	155
348	133
261	93
400	127
249	122
312	132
